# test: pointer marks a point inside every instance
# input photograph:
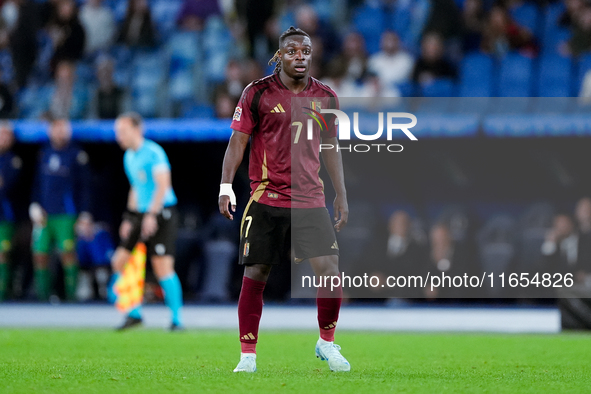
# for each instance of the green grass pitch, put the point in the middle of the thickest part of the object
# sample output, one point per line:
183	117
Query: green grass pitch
150	361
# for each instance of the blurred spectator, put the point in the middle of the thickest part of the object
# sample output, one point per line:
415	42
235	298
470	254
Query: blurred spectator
392	64
449	257
108	100
194	14
23	40
573	8
67	99
257	16
398	253
137	29
585	92
473	17
10	167
353	58
234	84
67	34
61	191
94	248
444	19
224	105
580	41
9	14
432	64
561	247
583	217
502	35
99	24
321	33
6	100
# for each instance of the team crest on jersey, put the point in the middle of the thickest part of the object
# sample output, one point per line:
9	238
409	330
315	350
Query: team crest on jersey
246	249
315	105
237	114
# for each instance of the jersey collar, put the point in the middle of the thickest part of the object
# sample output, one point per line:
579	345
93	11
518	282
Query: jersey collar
278	79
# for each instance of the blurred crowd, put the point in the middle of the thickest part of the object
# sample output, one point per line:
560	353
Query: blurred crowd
61	252
540	240
192	58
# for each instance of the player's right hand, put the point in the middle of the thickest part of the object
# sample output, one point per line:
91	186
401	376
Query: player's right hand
227	198
125	229
224	204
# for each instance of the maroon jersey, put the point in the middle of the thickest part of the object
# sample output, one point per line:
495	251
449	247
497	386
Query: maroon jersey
279	137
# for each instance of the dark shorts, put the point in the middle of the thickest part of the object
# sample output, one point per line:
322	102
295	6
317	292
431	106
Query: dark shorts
267	234
163	242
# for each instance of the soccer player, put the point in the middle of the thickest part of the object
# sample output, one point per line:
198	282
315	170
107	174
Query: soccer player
61	191
151	214
263	116
10	167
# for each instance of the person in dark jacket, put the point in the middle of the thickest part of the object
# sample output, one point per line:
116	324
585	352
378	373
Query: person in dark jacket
61	192
10	167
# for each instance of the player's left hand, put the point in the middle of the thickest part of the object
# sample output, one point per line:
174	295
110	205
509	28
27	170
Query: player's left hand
149	225
341	212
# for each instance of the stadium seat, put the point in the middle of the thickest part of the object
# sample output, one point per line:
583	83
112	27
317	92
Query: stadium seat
217	44
515	76
149	69
435	96
164	14
554	85
193	110
185	59
476	76
555	76
526	15
370	22
440	87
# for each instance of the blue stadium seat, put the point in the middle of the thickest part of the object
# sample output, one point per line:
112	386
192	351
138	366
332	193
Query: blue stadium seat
193	110
553	34
526	15
515	76
440	87
370	22
164	14
185	58
149	71
476	76
555	76
217	44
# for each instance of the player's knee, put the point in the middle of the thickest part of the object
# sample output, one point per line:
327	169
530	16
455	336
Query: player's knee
259	272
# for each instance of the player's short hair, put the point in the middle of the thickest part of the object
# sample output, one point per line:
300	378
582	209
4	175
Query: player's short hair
135	118
292	31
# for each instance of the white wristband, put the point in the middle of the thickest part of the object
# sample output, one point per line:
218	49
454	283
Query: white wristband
226	190
36	213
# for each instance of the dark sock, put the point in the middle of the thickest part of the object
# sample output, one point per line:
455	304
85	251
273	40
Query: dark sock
71	281
250	309
42	283
4	280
